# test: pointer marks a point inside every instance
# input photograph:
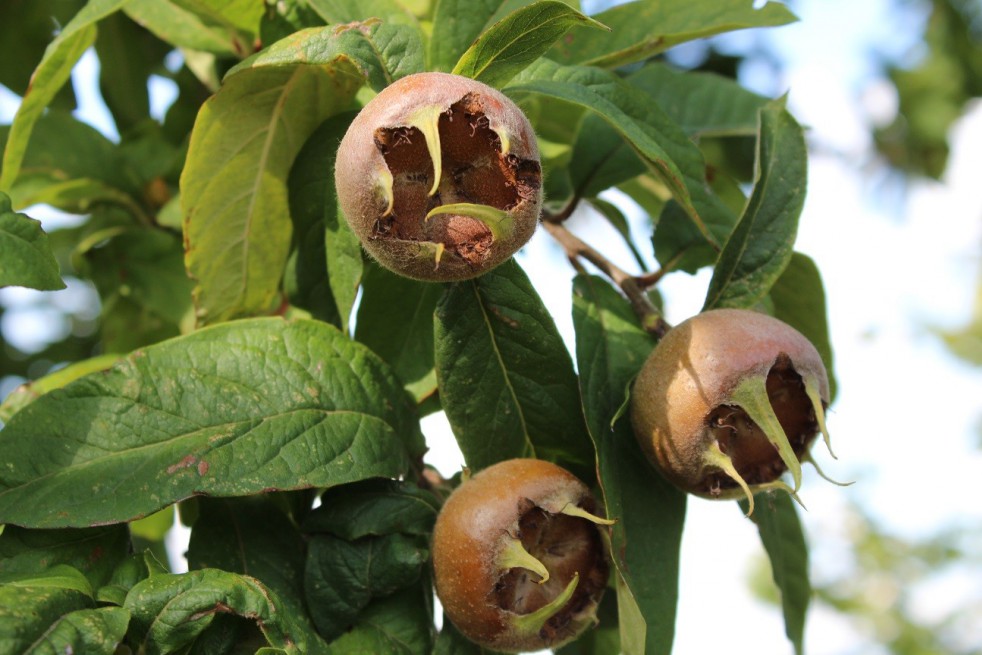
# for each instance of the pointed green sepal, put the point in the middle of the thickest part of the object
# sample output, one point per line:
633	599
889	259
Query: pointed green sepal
751	396
513	555
531	623
384	183
818	469
497	220
811	388
718	459
575	510
427	121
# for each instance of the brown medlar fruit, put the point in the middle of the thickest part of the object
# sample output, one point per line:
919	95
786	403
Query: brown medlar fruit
728	401
439	176
519	560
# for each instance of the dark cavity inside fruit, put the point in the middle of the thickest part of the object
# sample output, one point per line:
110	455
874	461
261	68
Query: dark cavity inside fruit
566	545
755	458
473	171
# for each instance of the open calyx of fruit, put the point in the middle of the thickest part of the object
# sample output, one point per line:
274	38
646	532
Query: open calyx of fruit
439	176
519	559
729	401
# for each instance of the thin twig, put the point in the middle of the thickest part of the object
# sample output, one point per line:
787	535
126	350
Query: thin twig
576	248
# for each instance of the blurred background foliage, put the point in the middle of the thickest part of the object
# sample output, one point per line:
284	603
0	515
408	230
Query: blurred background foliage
114	309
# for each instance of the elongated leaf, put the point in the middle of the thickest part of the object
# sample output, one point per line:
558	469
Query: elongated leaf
456	25
25	257
348	11
382	52
374	508
784	540
242	15
610	349
395	319
799	300
342	577
183	28
250	536
400	624
645	28
660	143
760	246
329	261
233	188
27	28
517	40
230	410
170	611
96	631
95	552
506	380
50	75
703	104
28	612
65	159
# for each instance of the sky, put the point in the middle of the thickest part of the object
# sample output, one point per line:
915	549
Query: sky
906	423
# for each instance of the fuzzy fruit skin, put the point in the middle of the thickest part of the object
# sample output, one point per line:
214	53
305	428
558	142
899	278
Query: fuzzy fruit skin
360	165
467	540
694	369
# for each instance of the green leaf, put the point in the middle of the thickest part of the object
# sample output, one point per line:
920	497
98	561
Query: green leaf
139	264
26	259
451	642
96	631
233	188
642	29
95	552
798	297
130	571
184	28
230	410
329	261
456	25
342	577
128	55
59	576
349	11
506	380
374	508
27	28
783	538
169	611
382	52
656	139
703	104
49	76
27	613
73	167
251	536
395	319
517	40
401	624
760	245
241	15
610	349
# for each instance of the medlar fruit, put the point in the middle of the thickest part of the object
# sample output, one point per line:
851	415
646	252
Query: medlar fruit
518	558
728	401
439	176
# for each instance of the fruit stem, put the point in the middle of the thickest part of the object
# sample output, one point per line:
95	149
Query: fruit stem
531	623
651	319
513	555
751	396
